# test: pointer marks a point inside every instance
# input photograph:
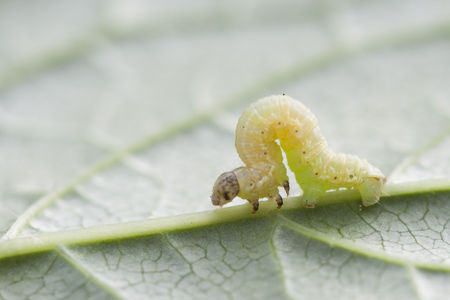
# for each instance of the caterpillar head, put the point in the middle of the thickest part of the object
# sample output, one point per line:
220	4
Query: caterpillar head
225	189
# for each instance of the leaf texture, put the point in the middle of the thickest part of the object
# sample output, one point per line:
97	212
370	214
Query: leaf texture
118	112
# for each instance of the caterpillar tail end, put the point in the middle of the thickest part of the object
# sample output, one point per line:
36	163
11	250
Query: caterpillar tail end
371	190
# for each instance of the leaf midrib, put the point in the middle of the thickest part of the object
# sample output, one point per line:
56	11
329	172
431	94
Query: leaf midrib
111	232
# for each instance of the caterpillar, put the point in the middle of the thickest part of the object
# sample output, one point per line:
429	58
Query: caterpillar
317	168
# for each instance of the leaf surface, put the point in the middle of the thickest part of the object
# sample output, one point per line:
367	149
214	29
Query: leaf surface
125	112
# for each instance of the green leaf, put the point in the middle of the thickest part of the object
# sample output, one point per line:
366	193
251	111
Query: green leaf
116	118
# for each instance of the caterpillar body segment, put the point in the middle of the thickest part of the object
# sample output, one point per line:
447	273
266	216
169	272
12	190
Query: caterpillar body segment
316	167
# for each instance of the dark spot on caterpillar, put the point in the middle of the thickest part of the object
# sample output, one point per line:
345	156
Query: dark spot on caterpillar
279	123
335	177
265	153
316	173
262	132
351	175
296	130
243	126
304	152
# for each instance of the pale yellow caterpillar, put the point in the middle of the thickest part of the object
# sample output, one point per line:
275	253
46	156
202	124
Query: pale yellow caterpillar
317	168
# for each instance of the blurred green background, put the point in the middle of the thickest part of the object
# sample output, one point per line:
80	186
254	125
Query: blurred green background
166	81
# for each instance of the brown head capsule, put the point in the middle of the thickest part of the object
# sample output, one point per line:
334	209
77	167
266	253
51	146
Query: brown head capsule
225	189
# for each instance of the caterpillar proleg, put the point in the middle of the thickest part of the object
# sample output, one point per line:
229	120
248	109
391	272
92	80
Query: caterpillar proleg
317	168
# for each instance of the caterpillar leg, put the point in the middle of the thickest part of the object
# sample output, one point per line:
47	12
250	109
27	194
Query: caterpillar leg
311	195
286	186
255	204
278	199
370	190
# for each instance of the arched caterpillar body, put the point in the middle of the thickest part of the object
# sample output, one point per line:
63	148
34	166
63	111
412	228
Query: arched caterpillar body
317	168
